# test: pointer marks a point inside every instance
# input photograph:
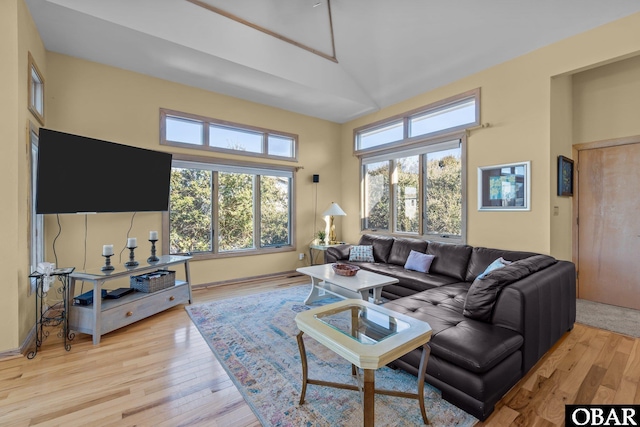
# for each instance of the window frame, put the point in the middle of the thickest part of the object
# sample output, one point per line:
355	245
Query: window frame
36	221
406	117
34	88
208	121
215	252
420	148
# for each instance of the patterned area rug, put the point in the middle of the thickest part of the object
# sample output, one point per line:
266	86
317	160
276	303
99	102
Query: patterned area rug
253	337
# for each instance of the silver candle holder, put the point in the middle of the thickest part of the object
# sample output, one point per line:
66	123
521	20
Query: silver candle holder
132	258
153	257
107	263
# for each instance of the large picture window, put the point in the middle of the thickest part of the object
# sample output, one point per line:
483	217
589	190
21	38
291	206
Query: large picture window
219	209
427	187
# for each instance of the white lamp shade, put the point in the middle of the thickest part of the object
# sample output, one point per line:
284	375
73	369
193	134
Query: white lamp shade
334	210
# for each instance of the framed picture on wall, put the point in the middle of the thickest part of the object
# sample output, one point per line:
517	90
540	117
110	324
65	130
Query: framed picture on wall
565	176
504	187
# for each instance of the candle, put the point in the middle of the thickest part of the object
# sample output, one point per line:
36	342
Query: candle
153	235
107	250
132	242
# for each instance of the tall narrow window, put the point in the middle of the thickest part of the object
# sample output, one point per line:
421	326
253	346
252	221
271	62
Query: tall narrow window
236	211
36	249
376	197
36	91
443	191
407	178
275	215
191	210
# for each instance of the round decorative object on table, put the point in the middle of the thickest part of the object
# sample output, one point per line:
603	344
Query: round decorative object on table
345	269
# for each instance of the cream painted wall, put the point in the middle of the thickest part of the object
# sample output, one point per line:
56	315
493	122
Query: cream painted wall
102	102
516	99
28	41
9	140
606	101
18	37
561	138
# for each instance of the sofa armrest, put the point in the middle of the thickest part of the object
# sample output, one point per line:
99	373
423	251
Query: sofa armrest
337	253
542	307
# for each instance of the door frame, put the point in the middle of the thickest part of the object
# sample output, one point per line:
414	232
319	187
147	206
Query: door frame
576	191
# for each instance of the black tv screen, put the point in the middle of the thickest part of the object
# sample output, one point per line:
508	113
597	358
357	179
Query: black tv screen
77	174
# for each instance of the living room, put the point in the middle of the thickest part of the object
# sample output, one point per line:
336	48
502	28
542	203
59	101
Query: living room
537	106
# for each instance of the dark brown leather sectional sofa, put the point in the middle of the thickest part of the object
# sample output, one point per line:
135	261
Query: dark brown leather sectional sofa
475	358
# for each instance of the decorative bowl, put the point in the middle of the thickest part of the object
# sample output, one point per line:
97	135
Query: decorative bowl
345	269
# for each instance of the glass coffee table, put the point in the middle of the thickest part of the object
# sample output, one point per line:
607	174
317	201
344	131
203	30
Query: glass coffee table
368	336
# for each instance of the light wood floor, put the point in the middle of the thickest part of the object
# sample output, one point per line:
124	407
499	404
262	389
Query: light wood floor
160	372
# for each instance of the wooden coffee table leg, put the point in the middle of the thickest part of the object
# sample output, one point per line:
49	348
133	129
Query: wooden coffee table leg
426	350
369	397
303	359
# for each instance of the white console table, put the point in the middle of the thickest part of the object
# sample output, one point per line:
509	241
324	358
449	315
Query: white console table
102	317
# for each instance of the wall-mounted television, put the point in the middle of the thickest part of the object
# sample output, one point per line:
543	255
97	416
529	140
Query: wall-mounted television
77	174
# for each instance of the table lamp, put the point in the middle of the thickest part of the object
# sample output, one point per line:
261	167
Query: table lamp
333	210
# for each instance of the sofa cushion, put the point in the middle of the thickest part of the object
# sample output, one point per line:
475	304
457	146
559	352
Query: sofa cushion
482	257
450	259
381	246
417	261
363	253
483	292
472	345
402	247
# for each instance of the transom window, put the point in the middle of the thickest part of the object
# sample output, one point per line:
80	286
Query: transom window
36	91
229	209
182	129
413	170
458	112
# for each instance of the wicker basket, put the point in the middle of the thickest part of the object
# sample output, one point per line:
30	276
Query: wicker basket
152	282
345	269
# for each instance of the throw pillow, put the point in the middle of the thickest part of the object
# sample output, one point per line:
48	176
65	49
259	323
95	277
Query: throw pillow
362	253
483	293
500	262
418	261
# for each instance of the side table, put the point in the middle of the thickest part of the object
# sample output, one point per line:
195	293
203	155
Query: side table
320	248
56	314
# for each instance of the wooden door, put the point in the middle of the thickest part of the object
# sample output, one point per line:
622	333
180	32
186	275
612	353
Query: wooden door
609	225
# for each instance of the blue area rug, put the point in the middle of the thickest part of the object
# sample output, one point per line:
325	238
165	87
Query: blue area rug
254	338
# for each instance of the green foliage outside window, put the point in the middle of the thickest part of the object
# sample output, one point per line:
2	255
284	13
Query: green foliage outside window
190	211
444	196
274	207
443	187
235	211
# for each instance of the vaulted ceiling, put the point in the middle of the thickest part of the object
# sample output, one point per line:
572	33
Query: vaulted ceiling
332	59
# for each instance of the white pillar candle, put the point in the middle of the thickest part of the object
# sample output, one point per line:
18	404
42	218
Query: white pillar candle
107	250
153	235
132	242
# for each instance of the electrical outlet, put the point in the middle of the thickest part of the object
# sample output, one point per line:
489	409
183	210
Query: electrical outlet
301	256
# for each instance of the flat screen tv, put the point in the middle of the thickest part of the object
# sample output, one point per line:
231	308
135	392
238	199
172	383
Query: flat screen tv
77	174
